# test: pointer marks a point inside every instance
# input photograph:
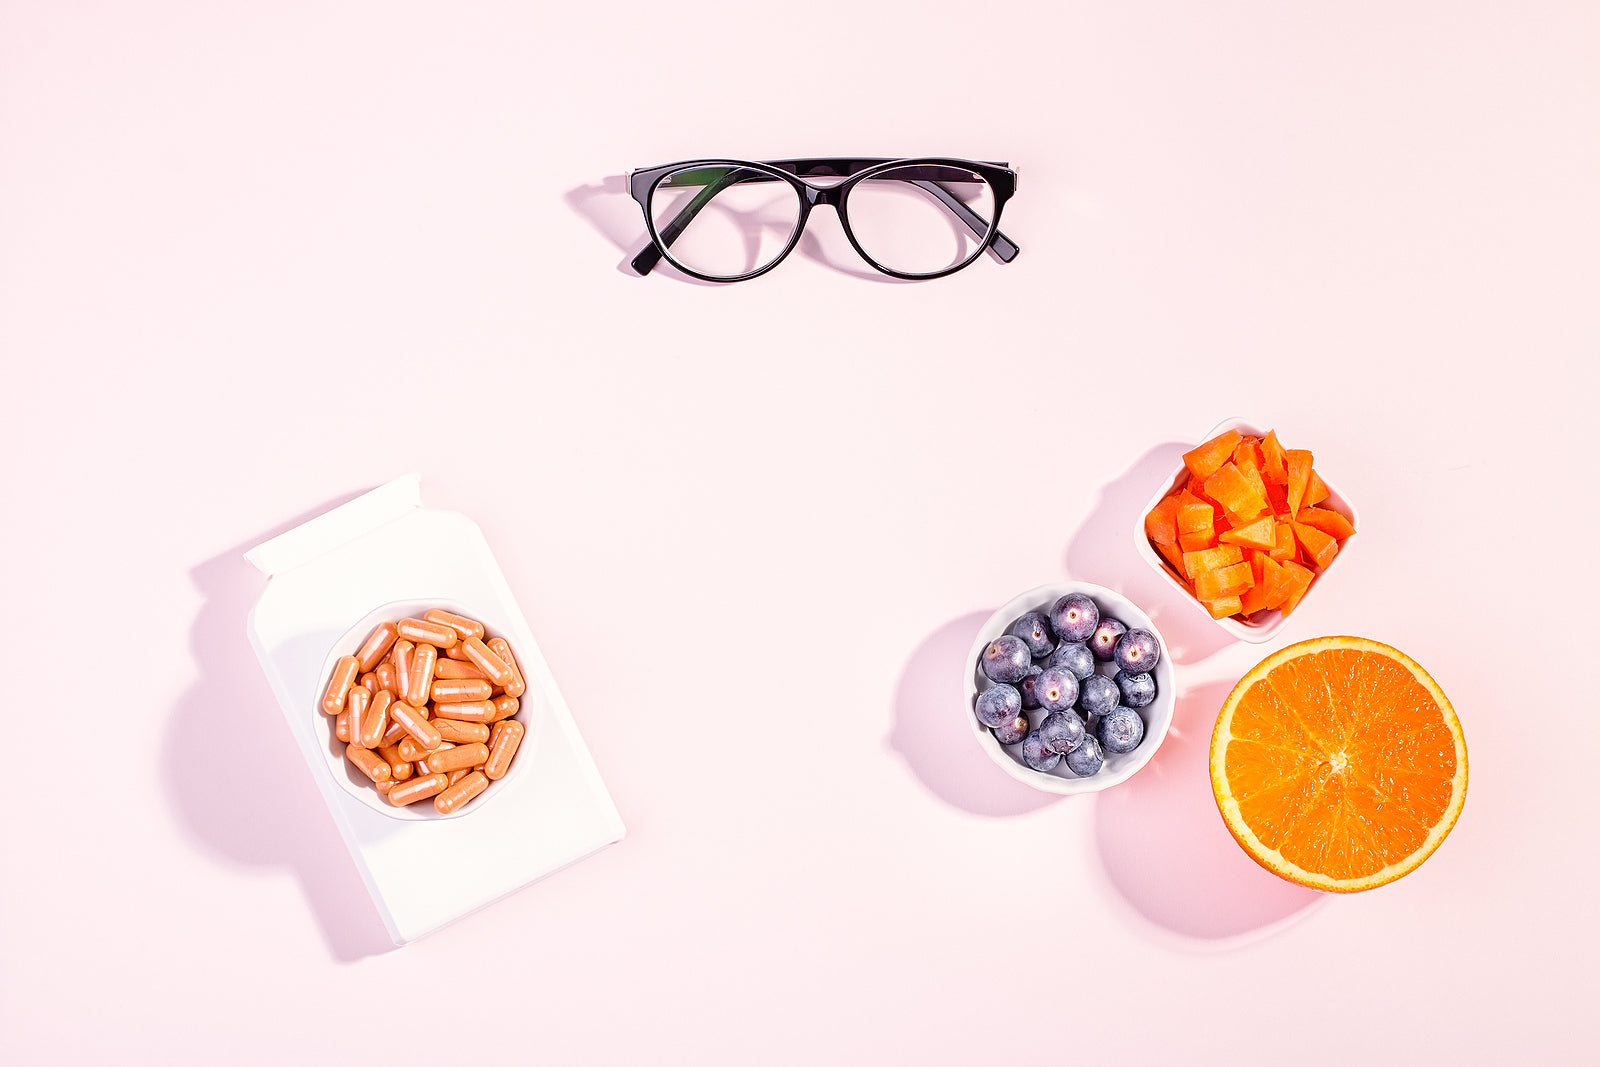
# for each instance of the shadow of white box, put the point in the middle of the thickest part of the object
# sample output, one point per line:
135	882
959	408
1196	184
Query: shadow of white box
330	572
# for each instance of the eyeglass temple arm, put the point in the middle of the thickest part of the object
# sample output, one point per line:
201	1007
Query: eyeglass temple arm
1002	246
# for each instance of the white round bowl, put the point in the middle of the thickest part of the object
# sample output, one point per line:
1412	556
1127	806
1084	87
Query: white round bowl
347	774
1157	714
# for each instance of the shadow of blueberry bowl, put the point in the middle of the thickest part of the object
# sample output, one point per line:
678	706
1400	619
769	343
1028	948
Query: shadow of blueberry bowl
1155	716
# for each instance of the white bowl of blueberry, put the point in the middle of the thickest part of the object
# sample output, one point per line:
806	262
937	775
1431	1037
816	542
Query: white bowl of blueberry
1070	688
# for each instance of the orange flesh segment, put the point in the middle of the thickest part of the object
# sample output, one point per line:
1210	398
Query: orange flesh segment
1210	559
1204	460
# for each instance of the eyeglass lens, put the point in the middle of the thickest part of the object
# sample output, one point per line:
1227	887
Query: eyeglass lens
921	219
724	221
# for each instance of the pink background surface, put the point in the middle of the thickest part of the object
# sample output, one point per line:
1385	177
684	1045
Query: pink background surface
259	258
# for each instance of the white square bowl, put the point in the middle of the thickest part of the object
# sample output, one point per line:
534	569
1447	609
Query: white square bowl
1261	626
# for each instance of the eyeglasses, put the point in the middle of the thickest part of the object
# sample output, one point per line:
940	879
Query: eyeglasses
725	220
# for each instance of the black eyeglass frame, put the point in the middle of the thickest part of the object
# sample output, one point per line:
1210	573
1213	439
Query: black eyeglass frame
1000	177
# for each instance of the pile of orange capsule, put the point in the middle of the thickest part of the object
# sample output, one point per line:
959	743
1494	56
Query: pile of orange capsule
425	709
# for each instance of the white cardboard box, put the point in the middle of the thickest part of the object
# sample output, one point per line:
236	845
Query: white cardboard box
323	577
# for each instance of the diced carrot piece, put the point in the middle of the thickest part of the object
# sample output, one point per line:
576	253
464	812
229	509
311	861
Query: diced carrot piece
1173	555
1211	559
1299	581
1274	466
1194	514
1277	498
1197	488
1204	460
1197	541
1237	496
1276	580
1248	460
1161	525
1299	477
1316	492
1253	599
1284	547
1222	607
1225	581
1319	546
1263	533
1328	521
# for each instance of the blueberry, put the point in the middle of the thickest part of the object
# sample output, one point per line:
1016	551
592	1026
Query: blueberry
1086	759
998	704
1035	631
1120	731
1026	685
1057	689
1062	731
1137	689
1075	657
1074	616
1137	651
1105	637
1011	732
1006	659
1098	694
1035	755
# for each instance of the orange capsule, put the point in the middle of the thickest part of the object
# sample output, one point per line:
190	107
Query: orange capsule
458	756
459	773
355	706
425	766
463	791
504	708
399	766
462	733
456	668
423	632
339	683
385	673
400	660
502	648
479	656
341	725
504	740
375	722
422	661
417	789
466	711
457	651
411	749
461	690
463	626
415	720
371	764
370	680
376	644
395	732
384	786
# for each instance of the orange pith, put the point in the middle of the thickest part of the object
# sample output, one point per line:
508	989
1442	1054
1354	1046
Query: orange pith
1338	763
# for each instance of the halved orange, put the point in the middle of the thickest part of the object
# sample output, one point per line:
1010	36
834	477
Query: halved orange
1338	763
